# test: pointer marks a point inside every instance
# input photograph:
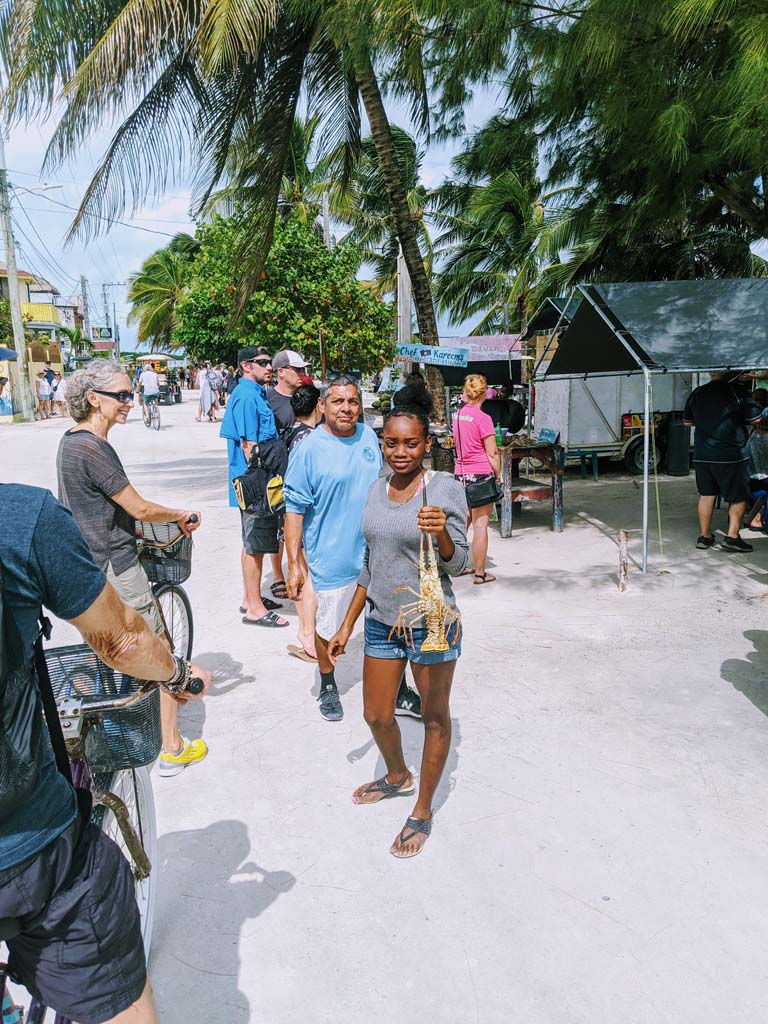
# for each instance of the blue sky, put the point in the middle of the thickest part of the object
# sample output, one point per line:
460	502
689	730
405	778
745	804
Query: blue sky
41	221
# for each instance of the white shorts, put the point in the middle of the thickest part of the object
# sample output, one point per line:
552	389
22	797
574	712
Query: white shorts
332	606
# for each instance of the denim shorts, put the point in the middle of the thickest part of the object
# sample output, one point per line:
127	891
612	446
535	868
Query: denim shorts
378	644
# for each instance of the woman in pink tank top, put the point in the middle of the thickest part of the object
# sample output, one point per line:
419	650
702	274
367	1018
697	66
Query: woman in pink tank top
477	458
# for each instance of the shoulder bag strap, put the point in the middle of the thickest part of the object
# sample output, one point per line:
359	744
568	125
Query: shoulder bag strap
458	451
49	702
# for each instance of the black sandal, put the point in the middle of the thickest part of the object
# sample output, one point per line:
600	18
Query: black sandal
279	590
271	606
418	826
387	789
269	620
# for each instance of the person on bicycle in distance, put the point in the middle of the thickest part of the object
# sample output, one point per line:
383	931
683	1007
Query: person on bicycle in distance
67	901
150	385
94	487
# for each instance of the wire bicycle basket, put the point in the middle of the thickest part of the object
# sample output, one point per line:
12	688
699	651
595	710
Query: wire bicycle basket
115	740
165	556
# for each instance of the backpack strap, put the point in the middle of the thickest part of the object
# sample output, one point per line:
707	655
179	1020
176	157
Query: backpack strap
49	702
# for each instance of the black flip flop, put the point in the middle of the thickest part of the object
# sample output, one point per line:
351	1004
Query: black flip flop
269	605
387	790
269	621
414	826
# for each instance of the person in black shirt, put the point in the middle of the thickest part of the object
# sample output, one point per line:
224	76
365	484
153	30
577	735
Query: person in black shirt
721	413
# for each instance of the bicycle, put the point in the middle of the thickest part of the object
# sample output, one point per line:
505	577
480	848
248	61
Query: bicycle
150	412
111	725
166	557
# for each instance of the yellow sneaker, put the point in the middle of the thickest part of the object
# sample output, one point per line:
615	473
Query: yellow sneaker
191	752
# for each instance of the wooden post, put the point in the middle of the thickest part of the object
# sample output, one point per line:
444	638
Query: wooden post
558	459
506	487
623	560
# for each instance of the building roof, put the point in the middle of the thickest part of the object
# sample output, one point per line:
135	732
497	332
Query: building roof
666	326
40	282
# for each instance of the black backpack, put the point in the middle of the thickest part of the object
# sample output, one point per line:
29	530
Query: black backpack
24	738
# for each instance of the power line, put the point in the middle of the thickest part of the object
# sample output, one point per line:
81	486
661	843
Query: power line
54	262
109	220
40	259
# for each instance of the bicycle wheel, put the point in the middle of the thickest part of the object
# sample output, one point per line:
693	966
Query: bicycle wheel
177	614
146	415
134	788
155	416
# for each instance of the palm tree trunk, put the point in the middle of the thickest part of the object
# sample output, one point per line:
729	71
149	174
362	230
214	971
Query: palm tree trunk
381	134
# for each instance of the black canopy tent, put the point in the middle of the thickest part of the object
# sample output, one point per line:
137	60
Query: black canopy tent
654	327
550	314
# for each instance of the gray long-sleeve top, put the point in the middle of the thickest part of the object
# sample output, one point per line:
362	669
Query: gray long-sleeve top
392	545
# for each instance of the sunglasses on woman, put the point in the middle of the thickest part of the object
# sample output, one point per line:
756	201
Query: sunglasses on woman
124	397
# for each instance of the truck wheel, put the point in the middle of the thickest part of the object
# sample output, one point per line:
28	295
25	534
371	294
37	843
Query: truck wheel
633	456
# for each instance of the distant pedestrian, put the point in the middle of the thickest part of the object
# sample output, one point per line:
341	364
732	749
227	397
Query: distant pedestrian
49	372
326	486
182	377
477	460
248	420
721	413
59	394
209	393
44	393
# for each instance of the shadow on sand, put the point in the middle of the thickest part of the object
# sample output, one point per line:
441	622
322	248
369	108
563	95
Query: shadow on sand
204	983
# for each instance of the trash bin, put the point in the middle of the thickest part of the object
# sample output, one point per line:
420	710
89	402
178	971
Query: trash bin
678	448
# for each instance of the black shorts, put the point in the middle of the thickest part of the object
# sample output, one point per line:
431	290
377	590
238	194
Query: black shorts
730	480
80	949
259	533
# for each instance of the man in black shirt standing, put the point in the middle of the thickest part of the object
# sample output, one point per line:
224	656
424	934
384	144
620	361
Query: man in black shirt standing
721	412
288	369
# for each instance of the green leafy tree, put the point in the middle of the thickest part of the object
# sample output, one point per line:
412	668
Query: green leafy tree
307	297
156	290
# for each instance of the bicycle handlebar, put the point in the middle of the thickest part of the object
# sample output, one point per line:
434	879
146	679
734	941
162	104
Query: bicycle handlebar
98	705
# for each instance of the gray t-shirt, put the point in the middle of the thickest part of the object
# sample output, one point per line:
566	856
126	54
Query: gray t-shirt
392	545
282	409
90	473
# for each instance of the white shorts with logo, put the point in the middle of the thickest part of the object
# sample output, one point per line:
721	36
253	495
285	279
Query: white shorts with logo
332	606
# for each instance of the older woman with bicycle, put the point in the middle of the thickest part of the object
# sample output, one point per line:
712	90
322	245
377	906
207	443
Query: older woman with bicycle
94	487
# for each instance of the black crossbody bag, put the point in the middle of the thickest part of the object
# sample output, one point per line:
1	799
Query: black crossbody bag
480	492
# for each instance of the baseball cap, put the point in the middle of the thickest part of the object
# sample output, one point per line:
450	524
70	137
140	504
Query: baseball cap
249	352
287	357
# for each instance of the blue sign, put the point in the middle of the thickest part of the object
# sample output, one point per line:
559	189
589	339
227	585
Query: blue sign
434	355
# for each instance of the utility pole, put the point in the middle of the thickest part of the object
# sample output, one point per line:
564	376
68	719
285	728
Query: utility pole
117	331
111	284
404	305
86	317
19	339
105	303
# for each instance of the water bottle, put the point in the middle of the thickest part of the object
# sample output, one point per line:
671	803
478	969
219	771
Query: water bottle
498	435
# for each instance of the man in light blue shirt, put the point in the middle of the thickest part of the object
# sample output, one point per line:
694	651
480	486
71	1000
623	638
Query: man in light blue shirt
326	487
248	420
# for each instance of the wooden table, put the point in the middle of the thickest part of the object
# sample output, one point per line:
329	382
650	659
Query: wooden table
518	489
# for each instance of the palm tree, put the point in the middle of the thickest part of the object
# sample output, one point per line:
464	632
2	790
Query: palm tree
80	344
155	291
362	204
176	72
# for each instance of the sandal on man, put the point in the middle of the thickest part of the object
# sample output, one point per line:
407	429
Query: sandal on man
279	590
382	790
270	620
483	577
413	827
269	605
302	654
